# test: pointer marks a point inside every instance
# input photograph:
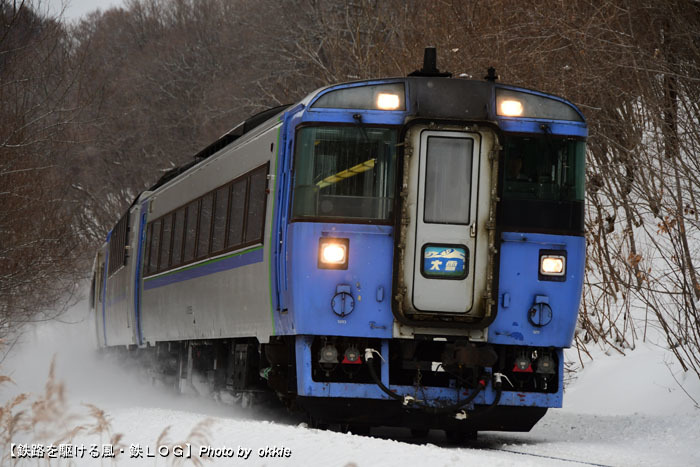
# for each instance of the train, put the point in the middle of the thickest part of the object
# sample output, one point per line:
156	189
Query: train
403	252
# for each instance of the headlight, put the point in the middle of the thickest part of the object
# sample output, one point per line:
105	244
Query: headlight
512	103
386	96
510	108
333	253
386	101
552	265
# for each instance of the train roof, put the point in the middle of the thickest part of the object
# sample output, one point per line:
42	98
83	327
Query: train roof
429	93
226	139
447	98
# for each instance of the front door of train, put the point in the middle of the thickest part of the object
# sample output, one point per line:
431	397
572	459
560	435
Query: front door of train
441	241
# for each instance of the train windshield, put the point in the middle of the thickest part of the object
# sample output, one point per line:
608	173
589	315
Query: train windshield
344	173
543	168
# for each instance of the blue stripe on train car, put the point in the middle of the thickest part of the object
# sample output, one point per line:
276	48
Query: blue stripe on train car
237	260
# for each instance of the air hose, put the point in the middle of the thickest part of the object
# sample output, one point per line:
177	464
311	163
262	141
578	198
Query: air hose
498	386
460	404
406	400
377	380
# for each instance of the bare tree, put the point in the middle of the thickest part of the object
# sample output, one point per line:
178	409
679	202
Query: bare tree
153	82
632	66
37	241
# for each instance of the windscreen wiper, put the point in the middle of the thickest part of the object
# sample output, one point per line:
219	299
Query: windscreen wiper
360	123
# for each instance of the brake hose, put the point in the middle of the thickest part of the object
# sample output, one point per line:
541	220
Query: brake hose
440	410
497	385
377	380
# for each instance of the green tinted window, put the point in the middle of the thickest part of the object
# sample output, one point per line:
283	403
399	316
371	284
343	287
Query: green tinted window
543	168
344	172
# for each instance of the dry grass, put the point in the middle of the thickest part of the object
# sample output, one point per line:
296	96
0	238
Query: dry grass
198	436
47	419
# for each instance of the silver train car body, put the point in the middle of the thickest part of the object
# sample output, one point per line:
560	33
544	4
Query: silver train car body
231	303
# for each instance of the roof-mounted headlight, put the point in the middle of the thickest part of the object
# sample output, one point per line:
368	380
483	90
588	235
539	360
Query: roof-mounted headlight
510	108
387	101
511	103
388	96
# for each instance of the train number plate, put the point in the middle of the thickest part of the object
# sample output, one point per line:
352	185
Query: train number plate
445	261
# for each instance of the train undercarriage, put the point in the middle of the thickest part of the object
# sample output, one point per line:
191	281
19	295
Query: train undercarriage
247	373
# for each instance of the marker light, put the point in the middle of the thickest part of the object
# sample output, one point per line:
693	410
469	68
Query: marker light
510	108
333	253
387	101
552	265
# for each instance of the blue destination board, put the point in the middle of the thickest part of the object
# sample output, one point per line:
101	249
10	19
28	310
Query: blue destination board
444	261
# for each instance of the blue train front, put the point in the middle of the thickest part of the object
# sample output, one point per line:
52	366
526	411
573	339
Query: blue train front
415	257
439	223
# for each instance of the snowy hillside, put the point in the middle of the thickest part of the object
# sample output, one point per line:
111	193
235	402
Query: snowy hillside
621	411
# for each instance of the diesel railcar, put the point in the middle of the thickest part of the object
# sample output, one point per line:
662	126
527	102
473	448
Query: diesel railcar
403	252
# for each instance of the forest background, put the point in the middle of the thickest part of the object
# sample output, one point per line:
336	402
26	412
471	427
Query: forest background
94	111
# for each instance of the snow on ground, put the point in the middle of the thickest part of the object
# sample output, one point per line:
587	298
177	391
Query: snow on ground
619	411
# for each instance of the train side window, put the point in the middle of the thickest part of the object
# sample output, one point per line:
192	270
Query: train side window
191	231
164	262
220	211
117	244
204	226
154	247
256	206
237	213
178	232
543	168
